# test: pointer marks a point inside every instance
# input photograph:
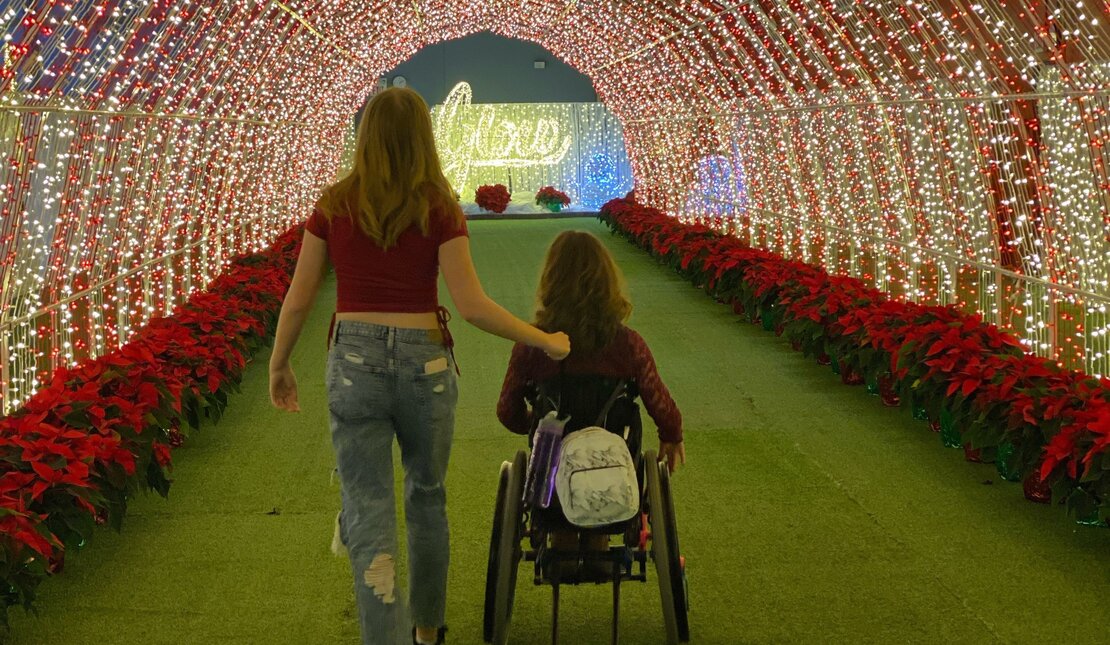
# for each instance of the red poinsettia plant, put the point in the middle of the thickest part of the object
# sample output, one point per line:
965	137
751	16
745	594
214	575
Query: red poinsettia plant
552	199
1047	425
494	199
105	429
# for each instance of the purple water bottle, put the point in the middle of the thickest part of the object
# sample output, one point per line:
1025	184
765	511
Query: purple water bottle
544	462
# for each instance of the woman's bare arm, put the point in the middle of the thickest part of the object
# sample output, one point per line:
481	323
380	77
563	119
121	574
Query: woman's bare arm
481	311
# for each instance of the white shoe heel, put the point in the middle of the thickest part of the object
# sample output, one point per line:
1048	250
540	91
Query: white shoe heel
337	546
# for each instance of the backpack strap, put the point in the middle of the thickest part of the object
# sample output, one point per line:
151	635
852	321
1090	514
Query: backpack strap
617	391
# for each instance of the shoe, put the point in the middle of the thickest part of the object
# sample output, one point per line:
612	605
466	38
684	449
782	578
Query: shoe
337	546
441	636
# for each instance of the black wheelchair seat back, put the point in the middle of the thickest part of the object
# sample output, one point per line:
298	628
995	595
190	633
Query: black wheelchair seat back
590	400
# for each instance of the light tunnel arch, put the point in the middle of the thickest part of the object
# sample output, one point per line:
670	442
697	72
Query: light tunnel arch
902	142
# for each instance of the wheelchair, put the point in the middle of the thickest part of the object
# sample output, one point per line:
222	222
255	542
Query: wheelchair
520	531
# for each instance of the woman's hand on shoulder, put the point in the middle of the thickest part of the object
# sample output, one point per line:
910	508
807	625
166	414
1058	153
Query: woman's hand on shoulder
673	453
558	345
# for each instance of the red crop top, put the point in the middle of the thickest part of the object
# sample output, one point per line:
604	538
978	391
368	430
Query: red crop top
402	279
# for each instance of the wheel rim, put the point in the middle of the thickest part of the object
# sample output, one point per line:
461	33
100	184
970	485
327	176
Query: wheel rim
509	550
660	548
494	553
680	592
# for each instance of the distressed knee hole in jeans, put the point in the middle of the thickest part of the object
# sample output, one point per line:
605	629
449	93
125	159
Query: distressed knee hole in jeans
379	577
432	495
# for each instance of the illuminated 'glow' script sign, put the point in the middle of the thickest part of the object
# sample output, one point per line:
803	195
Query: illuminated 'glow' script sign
469	136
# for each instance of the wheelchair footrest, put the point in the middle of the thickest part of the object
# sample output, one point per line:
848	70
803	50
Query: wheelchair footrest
576	567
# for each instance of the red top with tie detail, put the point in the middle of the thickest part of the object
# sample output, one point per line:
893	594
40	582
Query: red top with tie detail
401	279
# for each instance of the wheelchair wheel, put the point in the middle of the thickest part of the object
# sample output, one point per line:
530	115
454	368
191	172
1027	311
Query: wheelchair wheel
667	564
494	552
678	566
510	525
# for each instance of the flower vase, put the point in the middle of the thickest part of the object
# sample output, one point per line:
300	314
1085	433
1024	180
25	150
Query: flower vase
974	455
886	391
872	386
949	435
1092	519
737	307
835	364
824	359
1006	462
921	414
767	317
1036	489
56	564
848	375
796	344
554	207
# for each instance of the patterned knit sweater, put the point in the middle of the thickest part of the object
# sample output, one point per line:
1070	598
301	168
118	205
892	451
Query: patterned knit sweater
627	356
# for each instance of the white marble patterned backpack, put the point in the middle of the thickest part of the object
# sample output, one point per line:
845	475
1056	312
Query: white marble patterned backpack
596	480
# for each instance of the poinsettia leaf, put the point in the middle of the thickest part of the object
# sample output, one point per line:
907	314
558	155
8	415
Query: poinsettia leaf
936	347
44	471
192	417
77	419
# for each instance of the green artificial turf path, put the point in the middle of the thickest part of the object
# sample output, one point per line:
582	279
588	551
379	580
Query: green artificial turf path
807	512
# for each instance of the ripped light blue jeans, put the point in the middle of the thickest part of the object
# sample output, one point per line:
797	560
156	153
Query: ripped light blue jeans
385	382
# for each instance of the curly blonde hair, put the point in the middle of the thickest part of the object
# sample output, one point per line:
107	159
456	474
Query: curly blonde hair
581	292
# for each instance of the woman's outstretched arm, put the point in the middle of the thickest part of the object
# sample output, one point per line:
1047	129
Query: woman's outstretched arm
312	265
481	311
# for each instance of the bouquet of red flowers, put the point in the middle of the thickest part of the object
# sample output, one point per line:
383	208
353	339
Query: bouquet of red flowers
551	199
492	198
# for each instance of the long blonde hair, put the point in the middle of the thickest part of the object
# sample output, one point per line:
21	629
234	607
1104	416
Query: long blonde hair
396	176
581	292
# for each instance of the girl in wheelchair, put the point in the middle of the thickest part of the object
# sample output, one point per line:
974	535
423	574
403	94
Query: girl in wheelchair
581	292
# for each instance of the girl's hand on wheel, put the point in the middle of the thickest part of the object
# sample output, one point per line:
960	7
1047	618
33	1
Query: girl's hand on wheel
673	453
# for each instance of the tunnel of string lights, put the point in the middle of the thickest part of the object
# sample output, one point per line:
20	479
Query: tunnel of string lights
948	151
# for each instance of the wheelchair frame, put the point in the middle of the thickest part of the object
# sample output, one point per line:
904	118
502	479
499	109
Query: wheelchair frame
653	530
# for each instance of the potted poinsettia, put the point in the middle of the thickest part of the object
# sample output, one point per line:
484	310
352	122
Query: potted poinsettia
551	199
1040	423
493	198
99	431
